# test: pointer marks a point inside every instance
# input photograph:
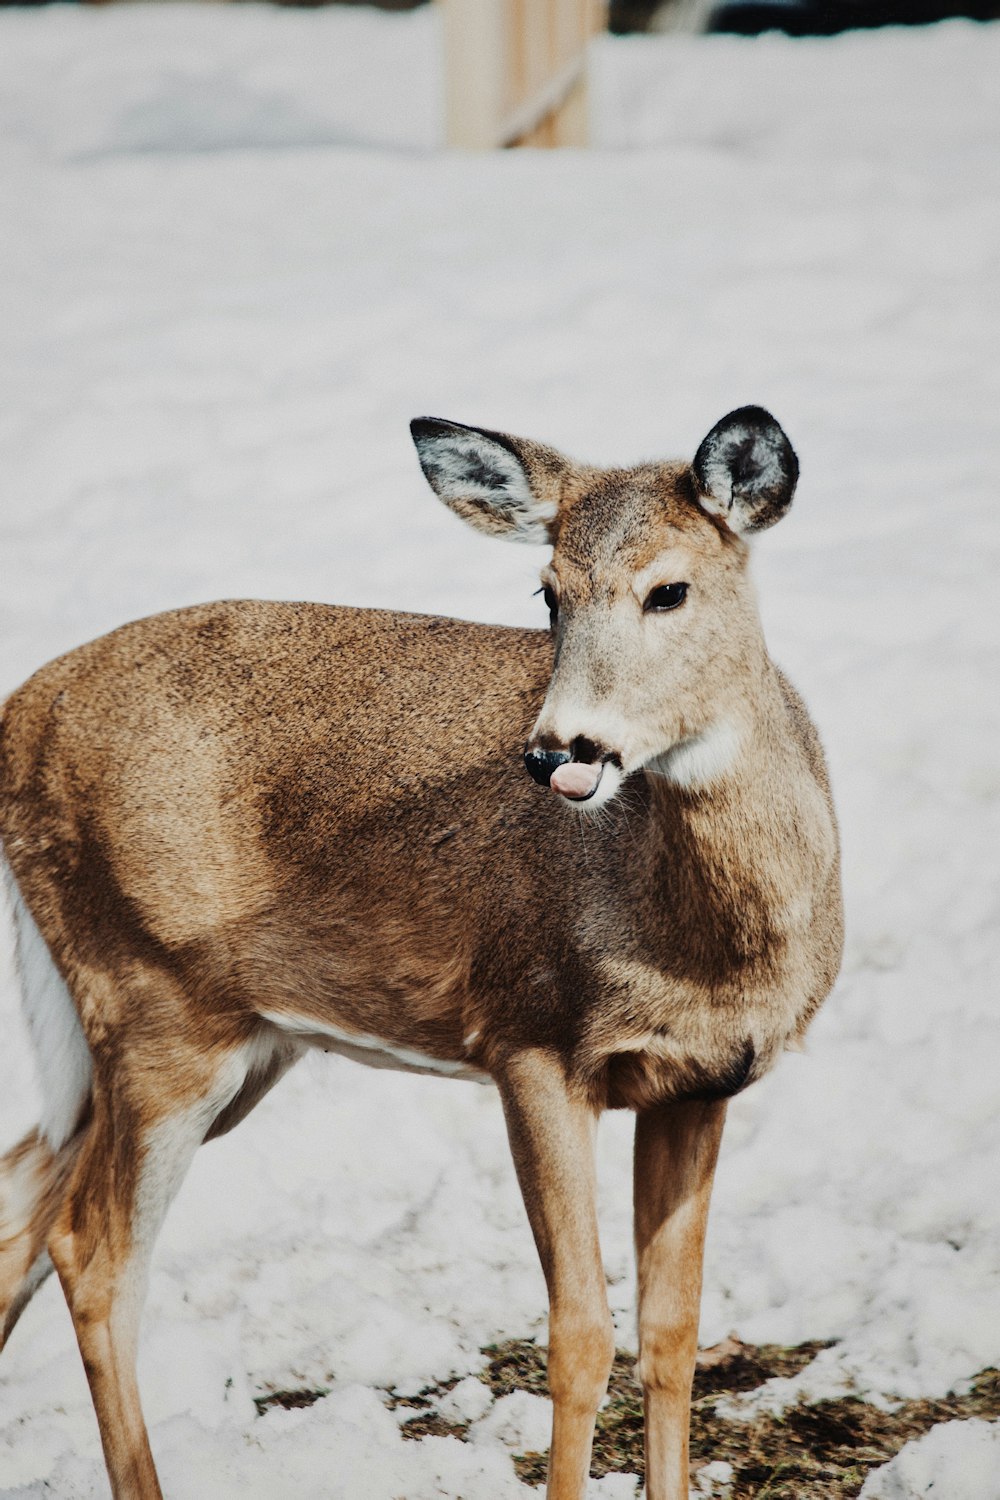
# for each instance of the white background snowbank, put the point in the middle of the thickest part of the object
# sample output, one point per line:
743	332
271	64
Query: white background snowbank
232	266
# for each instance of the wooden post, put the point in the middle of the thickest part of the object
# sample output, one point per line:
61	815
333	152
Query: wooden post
516	71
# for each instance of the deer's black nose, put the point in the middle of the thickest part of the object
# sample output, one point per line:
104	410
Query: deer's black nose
541	763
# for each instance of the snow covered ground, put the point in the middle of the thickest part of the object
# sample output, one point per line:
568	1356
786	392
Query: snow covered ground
233	263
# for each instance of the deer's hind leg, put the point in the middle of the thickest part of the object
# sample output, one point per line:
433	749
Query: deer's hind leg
33	1181
155	1099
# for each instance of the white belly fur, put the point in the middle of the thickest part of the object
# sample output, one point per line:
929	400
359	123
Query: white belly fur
372	1050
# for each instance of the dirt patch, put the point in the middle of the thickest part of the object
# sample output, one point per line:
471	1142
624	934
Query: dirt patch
727	1370
821	1451
288	1400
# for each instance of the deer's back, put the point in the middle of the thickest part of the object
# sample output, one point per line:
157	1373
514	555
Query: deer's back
351	709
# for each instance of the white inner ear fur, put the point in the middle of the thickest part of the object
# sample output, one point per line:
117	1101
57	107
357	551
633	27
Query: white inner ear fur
698	761
458	461
720	498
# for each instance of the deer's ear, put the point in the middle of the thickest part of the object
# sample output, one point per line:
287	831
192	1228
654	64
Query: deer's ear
746	470
503	485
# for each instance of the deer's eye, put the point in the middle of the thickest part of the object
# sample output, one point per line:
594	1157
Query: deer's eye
551	603
667	596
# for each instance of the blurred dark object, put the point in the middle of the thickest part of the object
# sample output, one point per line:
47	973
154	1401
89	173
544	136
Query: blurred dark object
825	17
631	15
378	4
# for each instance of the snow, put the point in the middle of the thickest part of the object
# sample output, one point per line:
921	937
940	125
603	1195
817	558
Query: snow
714	1477
521	1421
233	265
957	1459
469	1400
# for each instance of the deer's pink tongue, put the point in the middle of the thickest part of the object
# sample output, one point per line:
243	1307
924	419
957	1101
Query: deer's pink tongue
576	779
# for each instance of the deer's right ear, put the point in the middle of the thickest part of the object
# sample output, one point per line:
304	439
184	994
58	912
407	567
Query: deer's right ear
746	470
500	484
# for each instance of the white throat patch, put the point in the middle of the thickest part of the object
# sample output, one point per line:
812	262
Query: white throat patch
698	761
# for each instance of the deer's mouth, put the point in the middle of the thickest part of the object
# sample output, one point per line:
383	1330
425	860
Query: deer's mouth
582	773
577	780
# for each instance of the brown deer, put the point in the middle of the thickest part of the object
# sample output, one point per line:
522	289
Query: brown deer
243	829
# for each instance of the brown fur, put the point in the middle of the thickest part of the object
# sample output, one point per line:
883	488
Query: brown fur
248	810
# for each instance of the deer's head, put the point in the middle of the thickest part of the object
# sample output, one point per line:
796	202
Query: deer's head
658	644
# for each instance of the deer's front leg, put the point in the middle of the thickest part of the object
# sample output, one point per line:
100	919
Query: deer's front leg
552	1140
676	1148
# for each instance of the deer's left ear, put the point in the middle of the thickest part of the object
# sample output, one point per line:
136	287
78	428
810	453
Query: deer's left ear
500	484
746	470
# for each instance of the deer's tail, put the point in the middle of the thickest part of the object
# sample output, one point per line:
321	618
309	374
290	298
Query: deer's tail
34	1173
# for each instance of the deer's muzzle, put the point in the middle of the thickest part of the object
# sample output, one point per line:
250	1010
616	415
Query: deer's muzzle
574	773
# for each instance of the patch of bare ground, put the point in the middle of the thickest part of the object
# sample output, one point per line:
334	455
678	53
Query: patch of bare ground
820	1451
289	1400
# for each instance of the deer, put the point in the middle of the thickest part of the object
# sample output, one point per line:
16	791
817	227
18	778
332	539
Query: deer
595	865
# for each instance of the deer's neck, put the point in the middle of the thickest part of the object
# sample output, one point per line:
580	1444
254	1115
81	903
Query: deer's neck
740	832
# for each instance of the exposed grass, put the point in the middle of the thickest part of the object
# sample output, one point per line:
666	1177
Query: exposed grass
824	1451
619	1433
821	1451
288	1400
428	1422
